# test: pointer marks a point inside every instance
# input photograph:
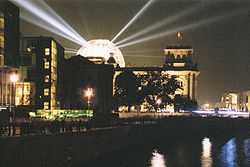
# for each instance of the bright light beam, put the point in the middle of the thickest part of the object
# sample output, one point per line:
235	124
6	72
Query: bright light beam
69	51
143	56
186	27
45	13
167	20
133	19
141	51
61	20
44	25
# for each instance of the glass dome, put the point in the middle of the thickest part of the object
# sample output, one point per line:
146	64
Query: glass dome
102	48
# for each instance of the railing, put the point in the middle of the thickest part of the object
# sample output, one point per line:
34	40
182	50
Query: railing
31	128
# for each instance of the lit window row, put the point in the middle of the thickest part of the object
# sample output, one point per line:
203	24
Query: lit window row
53	89
1	41
53	46
24	93
53	70
53	101
2	23
53	63
53	57
53	77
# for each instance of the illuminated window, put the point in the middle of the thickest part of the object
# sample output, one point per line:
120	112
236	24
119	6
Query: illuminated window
53	89
46	51
46	65
46	92
46	105
1	59
24	93
53	75
46	78
1	41
2	23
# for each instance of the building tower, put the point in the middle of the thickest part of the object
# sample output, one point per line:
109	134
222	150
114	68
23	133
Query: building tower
9	49
41	73
179	62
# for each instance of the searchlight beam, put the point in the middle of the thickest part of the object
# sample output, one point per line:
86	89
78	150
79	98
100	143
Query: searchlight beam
167	20
133	19
185	27
42	11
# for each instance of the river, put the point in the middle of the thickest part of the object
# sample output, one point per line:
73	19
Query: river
195	151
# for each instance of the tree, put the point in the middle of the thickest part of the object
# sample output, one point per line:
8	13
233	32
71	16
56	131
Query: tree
156	86
126	89
183	102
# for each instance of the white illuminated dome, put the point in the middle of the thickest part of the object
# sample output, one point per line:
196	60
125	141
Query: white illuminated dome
102	48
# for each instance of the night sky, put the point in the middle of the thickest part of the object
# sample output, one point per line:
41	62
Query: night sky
221	48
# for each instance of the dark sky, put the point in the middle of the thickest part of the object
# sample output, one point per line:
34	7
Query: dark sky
221	48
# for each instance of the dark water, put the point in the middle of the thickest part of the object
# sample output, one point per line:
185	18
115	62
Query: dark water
216	151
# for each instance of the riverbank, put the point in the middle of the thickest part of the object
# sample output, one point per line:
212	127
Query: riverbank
74	148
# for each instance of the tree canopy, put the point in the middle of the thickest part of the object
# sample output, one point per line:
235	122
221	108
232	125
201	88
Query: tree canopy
126	89
154	87
158	89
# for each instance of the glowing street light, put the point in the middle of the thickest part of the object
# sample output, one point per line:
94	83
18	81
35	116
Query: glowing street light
89	94
158	102
13	79
206	105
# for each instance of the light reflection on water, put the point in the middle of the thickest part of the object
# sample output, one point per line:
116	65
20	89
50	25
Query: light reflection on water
215	151
157	159
246	152
206	158
228	154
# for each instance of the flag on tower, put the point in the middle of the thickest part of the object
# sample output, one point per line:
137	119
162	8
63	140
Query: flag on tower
179	36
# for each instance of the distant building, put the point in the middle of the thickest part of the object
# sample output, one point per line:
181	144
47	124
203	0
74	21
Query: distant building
41	73
178	63
243	101
230	101
9	49
82	75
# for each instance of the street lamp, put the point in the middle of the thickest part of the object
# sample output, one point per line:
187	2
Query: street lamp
158	102
88	94
13	79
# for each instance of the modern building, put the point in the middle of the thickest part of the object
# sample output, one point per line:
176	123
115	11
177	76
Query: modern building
9	50
88	85
178	62
41	74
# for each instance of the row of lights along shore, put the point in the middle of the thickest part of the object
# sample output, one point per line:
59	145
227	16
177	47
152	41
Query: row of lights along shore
14	78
